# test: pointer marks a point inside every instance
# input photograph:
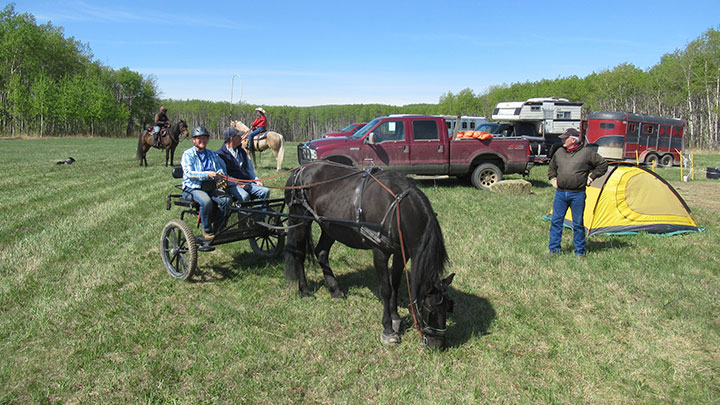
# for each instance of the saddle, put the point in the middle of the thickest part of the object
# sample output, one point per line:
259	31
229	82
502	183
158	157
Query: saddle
262	135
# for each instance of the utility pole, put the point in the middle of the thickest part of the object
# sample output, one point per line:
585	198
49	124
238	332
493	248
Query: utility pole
232	87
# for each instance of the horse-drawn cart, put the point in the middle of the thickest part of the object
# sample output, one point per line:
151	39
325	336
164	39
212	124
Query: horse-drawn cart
362	210
259	222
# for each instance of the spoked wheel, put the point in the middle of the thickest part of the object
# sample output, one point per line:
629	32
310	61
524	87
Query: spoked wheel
178	249
270	243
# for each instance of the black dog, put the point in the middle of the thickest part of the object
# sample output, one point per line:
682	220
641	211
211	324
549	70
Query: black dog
67	161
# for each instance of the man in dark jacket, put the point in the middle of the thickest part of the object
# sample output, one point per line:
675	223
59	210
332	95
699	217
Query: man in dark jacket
238	165
572	168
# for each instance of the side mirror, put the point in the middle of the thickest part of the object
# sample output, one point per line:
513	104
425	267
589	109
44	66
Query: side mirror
370	138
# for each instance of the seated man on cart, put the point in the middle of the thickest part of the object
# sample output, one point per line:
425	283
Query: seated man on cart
239	166
200	167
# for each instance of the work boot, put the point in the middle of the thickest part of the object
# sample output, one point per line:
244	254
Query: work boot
207	235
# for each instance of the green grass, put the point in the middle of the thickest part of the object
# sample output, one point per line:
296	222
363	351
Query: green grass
88	314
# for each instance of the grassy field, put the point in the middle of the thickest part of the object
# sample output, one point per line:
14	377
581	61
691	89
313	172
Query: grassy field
88	313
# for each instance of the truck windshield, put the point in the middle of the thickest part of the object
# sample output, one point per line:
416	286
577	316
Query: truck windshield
348	128
364	130
489	127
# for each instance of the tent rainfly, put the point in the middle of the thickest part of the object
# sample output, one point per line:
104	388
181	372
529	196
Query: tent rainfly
629	199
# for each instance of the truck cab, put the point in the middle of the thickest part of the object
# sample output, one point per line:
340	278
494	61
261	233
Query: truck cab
420	144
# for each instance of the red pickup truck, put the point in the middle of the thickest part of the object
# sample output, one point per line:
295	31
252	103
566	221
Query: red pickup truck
420	144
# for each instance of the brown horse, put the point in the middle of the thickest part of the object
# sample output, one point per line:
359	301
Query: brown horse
273	141
170	141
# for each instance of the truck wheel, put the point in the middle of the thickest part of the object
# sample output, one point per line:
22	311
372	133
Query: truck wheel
485	175
651	159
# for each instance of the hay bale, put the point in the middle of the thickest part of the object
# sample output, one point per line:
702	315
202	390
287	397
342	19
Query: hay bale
514	186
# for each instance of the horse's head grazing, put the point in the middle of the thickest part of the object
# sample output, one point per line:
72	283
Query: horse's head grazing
433	308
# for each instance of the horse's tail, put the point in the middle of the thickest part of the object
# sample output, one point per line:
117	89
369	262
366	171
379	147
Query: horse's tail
140	154
430	257
280	152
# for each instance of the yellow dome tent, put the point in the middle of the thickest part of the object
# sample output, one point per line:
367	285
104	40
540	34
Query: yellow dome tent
629	199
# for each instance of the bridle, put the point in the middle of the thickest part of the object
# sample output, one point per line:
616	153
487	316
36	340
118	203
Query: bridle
423	326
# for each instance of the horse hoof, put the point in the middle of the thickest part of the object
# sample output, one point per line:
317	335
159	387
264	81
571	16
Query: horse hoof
338	294
396	324
390	339
306	294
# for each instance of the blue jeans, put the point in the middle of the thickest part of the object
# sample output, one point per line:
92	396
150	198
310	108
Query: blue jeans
205	201
576	202
252	135
242	192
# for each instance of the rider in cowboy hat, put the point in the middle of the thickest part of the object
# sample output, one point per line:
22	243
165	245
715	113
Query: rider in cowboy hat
257	126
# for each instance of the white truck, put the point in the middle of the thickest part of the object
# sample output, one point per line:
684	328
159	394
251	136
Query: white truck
539	120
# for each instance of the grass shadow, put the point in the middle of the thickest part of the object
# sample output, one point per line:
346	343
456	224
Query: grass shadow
539	183
611	244
472	316
242	263
450	182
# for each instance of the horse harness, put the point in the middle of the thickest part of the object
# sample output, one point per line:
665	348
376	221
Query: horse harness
371	233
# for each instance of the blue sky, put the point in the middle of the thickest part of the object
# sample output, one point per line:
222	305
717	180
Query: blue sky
304	53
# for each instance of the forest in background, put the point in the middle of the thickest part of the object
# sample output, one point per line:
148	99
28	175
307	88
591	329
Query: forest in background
51	86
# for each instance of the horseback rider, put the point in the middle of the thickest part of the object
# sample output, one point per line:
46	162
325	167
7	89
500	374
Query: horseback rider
257	126
161	121
201	165
239	166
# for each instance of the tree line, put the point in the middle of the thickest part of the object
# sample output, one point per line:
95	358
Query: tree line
50	86
683	84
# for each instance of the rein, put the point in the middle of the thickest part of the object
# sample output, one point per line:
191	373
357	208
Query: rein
402	250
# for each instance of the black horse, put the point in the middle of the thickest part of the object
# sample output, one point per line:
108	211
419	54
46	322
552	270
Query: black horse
360	209
170	141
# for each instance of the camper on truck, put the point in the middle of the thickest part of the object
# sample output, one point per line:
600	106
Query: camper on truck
539	120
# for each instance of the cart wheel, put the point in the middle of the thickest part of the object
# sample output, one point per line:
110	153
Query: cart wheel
178	249
270	243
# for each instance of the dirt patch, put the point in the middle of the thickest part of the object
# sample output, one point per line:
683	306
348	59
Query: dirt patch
701	194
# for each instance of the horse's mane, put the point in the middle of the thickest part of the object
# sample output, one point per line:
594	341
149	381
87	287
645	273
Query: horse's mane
428	263
429	256
239	125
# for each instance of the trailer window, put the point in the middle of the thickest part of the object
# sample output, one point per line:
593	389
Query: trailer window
607	125
632	128
425	131
648	129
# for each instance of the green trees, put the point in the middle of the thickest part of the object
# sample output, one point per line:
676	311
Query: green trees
684	84
49	85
